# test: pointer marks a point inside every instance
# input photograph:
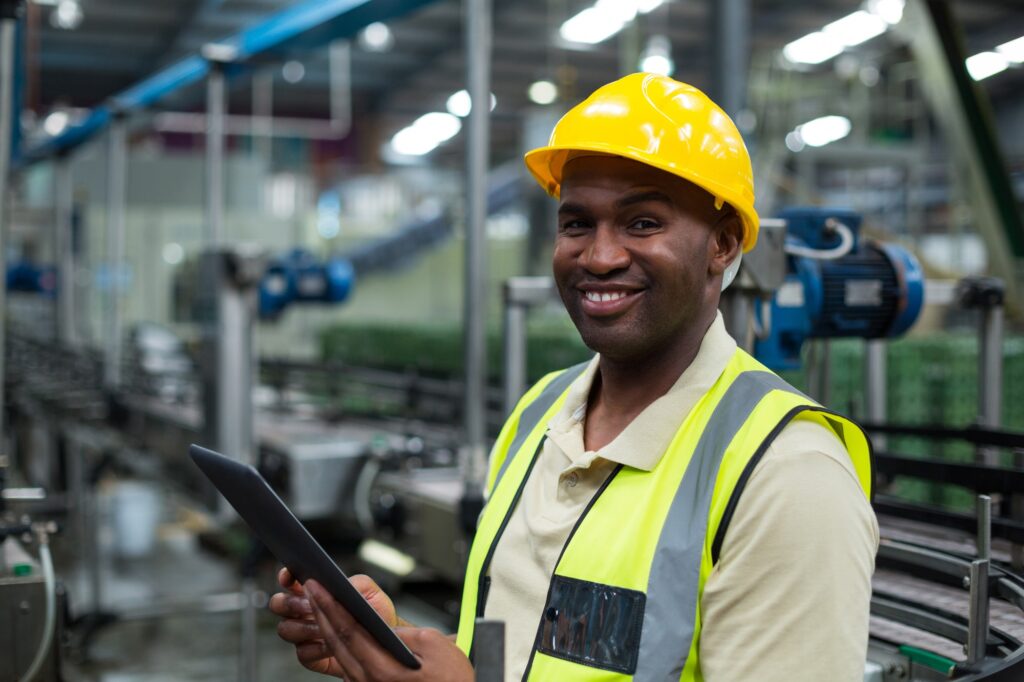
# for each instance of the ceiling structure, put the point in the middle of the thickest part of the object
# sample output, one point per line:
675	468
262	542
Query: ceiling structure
121	41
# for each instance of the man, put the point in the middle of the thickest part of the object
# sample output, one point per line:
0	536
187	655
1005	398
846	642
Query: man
670	510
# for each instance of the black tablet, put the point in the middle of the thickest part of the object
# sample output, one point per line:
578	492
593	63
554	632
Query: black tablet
283	534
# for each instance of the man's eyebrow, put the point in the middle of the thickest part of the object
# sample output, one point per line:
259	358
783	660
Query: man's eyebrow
643	197
570	207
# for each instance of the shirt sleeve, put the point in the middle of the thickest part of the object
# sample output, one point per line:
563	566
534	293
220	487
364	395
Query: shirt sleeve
788	600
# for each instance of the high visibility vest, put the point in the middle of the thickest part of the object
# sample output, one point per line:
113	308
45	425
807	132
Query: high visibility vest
624	602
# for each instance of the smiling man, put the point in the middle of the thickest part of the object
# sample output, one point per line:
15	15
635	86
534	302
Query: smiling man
670	510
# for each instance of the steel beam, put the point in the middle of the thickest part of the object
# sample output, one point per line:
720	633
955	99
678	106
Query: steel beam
64	257
731	61
478	56
116	177
7	38
216	109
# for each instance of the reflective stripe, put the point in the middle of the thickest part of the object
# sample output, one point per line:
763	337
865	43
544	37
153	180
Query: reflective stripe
533	412
673	583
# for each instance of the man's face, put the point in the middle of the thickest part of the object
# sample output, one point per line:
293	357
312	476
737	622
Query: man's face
638	257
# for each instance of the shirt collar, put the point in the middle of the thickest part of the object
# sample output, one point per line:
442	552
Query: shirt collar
643	442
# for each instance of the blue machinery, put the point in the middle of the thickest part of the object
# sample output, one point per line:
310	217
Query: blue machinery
836	285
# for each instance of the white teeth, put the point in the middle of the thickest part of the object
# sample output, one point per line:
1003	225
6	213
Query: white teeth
597	296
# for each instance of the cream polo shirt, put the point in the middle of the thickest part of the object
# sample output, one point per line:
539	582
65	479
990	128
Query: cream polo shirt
788	599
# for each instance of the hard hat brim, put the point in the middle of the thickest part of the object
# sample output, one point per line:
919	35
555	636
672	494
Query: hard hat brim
546	165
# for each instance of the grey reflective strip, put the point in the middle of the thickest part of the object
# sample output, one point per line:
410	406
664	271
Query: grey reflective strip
534	412
675	573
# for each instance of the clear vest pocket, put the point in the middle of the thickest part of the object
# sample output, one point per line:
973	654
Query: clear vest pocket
592	624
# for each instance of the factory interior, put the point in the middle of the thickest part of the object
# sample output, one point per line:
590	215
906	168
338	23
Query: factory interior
283	230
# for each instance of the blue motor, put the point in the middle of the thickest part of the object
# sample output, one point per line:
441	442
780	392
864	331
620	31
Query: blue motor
300	277
837	286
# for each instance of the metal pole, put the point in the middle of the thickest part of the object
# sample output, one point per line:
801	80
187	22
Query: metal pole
63	251
115	251
515	353
520	294
875	387
977	613
984	539
7	25
478	57
990	369
216	108
263	115
732	53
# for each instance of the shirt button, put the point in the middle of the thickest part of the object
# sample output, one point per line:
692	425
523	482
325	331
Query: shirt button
572	479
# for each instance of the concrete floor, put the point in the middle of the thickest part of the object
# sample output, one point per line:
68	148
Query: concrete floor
183	644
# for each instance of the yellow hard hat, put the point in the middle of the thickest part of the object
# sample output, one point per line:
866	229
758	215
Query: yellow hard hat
663	123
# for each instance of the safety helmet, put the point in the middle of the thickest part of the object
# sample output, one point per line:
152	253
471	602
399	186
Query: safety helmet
663	123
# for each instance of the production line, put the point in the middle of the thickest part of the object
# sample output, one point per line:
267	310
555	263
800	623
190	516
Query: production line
387	466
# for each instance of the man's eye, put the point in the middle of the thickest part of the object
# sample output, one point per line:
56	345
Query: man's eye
645	224
574	225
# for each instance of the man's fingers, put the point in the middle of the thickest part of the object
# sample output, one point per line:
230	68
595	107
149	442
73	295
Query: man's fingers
298	631
290	606
288	581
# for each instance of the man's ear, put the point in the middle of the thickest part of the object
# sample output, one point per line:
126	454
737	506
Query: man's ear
725	243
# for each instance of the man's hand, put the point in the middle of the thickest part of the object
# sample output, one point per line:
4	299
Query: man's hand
328	640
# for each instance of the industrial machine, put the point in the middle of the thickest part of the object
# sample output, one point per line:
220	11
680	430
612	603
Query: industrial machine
837	284
31	600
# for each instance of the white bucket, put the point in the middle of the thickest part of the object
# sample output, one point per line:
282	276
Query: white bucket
136	513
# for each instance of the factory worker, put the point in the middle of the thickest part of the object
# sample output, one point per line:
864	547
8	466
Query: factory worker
670	509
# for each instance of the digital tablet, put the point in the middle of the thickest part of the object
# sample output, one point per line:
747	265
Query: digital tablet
283	534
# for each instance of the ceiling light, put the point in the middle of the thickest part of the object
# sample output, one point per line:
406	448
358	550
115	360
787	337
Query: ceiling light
376	37
543	92
657	57
56	122
293	71
822	131
985	64
855	28
794	142
1013	50
890	11
425	134
68	15
173	253
813	48
460	103
46	3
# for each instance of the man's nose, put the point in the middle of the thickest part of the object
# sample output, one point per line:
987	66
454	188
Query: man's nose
605	253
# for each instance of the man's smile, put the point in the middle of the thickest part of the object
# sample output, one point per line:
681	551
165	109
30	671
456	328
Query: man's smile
605	300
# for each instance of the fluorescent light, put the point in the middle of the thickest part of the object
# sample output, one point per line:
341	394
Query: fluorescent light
460	104
589	27
387	557
425	134
985	64
855	28
56	122
376	37
890	11
821	131
68	15
543	92
604	19
1013	50
657	56
813	48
